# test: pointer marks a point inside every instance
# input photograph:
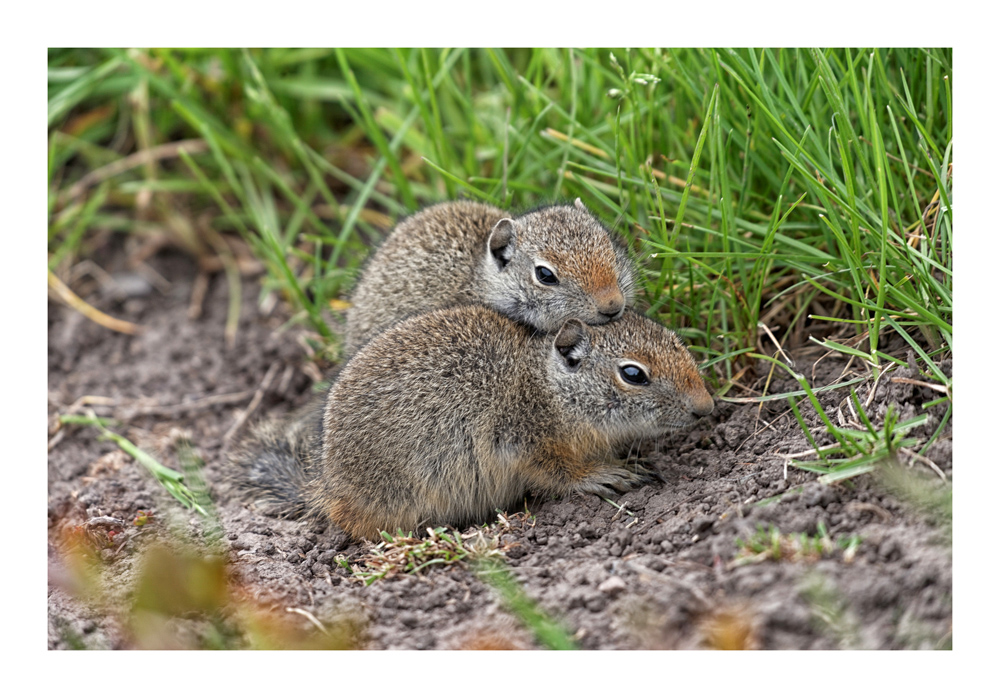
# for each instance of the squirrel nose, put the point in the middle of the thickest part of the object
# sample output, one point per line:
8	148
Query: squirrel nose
702	405
611	304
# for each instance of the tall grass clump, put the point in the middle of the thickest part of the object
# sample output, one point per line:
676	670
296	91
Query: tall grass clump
806	190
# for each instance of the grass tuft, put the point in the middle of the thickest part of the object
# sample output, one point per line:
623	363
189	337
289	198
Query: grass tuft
406	553
771	544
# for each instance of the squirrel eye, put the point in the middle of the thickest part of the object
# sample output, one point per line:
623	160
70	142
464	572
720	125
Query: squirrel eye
546	276
631	373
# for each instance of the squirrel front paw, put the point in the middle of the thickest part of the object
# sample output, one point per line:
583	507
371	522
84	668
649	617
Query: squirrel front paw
614	479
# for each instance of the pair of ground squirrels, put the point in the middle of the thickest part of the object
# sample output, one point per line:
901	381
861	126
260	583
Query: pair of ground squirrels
487	356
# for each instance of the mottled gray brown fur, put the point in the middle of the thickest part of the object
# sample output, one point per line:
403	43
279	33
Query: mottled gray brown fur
462	252
446	417
276	461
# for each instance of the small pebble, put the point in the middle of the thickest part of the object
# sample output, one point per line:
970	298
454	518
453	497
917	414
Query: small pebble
703	523
612	586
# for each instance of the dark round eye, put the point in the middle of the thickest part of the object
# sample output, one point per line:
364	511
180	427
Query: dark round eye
631	373
546	276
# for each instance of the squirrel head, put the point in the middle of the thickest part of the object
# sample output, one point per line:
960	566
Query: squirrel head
629	379
556	263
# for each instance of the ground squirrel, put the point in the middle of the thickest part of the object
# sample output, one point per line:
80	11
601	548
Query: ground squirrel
541	268
448	416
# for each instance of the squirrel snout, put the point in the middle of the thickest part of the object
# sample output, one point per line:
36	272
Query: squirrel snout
611	304
702	405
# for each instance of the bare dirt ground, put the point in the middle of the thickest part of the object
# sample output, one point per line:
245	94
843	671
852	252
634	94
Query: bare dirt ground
664	571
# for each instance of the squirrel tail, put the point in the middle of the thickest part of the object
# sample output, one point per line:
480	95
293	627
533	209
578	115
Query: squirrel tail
278	460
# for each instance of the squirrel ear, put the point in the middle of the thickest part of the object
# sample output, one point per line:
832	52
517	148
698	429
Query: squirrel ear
501	242
572	343
579	204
